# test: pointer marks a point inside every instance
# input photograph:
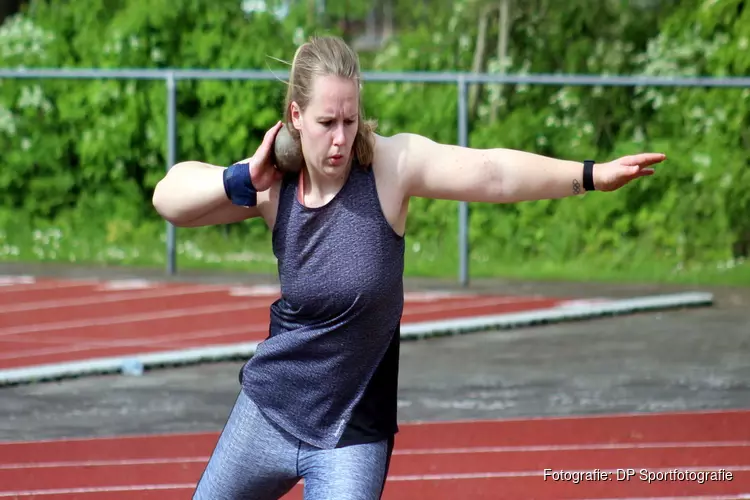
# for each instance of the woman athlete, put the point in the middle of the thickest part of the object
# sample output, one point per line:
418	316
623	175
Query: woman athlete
318	398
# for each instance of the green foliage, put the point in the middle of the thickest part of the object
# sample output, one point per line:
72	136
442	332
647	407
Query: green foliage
98	147
691	211
91	151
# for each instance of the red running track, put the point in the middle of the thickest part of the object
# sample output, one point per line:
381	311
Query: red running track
699	455
54	321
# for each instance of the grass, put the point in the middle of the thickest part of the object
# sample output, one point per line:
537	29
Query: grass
485	264
247	250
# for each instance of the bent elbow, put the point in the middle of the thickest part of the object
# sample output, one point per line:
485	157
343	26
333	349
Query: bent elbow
164	204
159	199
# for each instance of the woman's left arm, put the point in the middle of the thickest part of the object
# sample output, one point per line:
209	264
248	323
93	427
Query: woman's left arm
432	170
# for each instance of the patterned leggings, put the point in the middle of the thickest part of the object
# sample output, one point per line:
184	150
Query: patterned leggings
255	459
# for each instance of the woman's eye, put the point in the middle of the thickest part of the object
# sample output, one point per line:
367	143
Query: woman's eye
329	123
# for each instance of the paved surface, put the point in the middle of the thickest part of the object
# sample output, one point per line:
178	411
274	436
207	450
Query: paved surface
679	360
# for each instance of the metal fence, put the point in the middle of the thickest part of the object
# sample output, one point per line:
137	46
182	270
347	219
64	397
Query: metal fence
461	80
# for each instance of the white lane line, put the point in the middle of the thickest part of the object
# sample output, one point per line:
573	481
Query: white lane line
11	280
134	318
480	302
392	478
102	489
53	285
120	297
540	473
178	338
404	452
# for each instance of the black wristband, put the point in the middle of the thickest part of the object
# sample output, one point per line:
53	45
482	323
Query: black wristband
588	175
239	186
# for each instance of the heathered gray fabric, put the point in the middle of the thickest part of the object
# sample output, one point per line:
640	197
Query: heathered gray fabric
252	459
341	273
255	459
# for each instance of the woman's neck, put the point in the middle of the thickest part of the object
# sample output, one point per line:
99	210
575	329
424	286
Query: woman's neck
317	189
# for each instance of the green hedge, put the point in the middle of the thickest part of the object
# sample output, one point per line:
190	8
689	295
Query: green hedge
85	154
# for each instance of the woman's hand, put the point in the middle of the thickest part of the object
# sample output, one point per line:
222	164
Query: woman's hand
263	172
615	174
192	193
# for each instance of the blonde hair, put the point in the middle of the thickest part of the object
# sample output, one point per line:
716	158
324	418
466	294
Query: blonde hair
328	56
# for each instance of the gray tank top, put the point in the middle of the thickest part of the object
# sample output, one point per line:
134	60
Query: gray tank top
341	273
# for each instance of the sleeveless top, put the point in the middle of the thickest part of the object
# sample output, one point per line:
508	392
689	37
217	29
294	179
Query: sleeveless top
328	371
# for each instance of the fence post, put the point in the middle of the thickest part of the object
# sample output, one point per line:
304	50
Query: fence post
463	207
171	160
170	76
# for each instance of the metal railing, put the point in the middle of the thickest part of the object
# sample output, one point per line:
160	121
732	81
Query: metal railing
461	80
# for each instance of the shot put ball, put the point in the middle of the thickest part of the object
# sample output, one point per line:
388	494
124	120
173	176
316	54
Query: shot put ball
287	153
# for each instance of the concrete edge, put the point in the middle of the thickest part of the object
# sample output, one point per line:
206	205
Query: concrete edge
568	311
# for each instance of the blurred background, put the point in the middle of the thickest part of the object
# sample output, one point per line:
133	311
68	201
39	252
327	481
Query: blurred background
80	157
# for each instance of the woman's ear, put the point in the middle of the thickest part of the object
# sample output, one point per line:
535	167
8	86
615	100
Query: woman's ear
296	114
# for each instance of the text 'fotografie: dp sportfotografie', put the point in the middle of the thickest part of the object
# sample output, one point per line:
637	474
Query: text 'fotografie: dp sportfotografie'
650	476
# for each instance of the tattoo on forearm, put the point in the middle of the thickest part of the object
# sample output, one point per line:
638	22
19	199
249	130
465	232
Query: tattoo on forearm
576	187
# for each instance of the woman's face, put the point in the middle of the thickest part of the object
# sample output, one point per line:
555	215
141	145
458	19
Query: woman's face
328	126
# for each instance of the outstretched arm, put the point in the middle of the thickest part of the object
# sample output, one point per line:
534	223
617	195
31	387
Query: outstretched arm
432	170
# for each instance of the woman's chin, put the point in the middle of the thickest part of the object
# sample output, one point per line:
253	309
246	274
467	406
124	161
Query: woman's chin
334	166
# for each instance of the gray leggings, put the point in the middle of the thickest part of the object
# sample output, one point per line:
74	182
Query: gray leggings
254	459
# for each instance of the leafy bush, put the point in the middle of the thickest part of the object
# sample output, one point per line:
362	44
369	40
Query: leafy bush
91	151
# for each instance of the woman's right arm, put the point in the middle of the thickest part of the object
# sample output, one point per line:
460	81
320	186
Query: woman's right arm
192	193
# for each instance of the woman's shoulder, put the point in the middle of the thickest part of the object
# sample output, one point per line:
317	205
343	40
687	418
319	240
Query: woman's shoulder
390	153
402	155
